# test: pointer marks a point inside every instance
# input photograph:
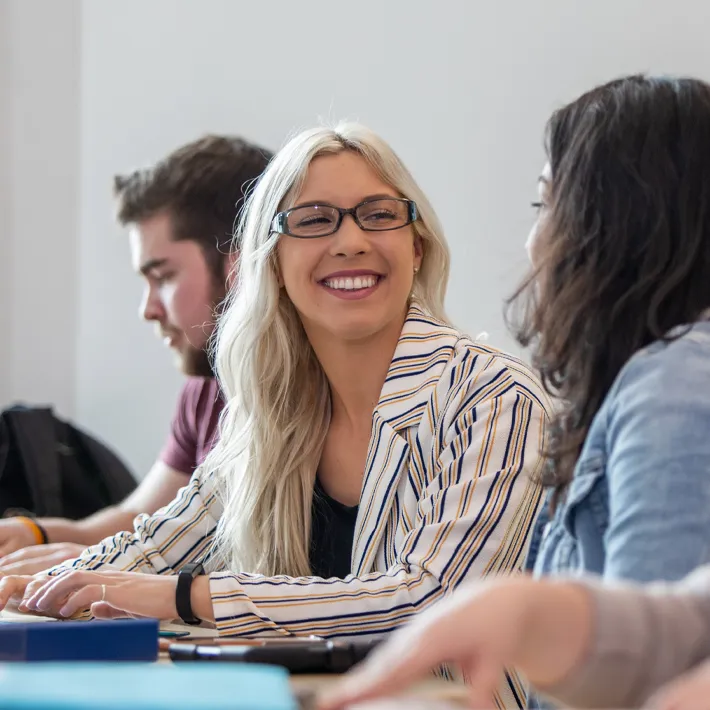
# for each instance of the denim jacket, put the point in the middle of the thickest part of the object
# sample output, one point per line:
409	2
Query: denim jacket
638	506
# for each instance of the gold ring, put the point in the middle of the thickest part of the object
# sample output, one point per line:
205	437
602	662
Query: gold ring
103	592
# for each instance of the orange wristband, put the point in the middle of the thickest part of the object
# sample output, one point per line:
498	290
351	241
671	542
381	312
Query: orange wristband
37	529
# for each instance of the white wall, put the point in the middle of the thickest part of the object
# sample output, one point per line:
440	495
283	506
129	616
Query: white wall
6	302
39	156
461	89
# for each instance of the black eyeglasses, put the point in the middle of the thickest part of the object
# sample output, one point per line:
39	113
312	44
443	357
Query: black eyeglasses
377	214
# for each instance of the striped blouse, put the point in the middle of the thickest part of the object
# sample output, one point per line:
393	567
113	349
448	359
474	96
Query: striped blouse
448	496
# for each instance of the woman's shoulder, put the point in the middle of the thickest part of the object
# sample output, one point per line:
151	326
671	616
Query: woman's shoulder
666	365
484	361
661	388
474	364
681	341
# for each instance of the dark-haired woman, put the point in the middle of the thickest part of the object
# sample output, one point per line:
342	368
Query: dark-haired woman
616	311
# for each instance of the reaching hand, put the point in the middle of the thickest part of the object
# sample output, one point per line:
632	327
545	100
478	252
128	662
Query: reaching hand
31	560
483	628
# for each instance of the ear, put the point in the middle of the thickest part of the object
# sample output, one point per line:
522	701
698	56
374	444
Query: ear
231	265
418	251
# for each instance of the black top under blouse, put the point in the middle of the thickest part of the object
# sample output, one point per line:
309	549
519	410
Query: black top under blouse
332	532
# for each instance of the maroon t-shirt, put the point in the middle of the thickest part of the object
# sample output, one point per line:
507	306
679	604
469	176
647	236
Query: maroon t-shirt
194	427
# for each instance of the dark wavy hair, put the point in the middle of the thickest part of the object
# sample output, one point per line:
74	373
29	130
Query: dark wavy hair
624	244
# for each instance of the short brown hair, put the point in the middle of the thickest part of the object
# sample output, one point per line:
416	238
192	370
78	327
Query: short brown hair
202	185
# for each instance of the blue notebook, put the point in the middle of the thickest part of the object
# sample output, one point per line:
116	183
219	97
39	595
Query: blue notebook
144	686
116	640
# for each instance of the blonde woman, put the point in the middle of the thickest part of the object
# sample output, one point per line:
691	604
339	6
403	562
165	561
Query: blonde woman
371	457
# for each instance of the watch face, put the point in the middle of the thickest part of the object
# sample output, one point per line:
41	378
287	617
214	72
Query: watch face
193	568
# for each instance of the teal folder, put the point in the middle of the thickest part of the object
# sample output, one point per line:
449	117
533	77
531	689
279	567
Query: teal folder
144	686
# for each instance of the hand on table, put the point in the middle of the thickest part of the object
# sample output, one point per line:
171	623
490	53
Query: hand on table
106	594
31	560
14	535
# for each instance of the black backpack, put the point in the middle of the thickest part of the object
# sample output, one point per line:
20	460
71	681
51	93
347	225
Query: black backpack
50	468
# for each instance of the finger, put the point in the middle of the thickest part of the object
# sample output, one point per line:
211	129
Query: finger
12	587
27	567
57	588
24	553
36	583
50	593
392	667
484	678
83	598
9	547
32	566
27	553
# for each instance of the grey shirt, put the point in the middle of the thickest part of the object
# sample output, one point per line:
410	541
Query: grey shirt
644	636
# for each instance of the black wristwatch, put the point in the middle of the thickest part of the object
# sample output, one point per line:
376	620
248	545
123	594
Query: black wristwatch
183	602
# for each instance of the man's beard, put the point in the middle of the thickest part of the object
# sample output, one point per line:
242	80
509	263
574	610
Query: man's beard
196	362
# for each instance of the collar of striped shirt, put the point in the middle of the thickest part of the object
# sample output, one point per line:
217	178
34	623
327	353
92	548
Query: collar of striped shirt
423	351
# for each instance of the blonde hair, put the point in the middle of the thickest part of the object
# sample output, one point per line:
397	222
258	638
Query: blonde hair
274	425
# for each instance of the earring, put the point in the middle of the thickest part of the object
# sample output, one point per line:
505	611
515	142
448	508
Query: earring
416	269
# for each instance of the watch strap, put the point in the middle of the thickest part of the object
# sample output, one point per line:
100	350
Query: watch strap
183	592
